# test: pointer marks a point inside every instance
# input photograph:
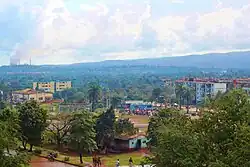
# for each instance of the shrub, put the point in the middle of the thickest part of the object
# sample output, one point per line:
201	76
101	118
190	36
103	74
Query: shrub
66	159
38	151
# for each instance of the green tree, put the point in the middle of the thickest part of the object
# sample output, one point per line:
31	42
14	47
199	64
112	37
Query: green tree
189	94
219	138
156	93
60	126
93	94
105	129
169	93
115	101
82	134
10	156
180	93
156	122
32	119
10	119
125	127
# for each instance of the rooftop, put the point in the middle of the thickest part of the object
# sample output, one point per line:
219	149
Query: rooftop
27	91
126	137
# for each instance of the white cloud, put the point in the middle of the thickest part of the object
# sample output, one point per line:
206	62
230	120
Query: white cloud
177	1
127	30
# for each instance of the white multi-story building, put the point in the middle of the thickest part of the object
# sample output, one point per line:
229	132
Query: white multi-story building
204	88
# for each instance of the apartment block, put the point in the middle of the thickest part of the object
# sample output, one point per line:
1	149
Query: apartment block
30	94
204	87
60	86
45	86
52	86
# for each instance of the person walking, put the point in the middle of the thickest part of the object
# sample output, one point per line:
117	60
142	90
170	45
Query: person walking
99	162
130	161
118	163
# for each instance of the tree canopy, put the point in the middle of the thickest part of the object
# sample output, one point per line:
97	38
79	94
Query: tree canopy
105	130
220	138
32	119
10	155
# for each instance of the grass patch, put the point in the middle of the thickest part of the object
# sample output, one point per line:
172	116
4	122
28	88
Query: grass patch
108	160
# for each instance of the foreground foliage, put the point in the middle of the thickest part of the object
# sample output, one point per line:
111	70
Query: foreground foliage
219	139
32	121
10	156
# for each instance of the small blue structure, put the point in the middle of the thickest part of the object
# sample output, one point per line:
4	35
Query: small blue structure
131	143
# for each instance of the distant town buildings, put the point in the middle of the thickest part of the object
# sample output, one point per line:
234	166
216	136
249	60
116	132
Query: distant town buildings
30	94
207	87
203	88
137	106
52	86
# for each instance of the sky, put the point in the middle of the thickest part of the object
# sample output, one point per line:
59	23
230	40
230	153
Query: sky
73	31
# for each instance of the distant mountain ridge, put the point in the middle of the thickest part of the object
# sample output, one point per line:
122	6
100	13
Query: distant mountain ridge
211	60
239	60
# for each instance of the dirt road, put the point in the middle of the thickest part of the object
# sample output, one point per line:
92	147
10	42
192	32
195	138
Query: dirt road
42	162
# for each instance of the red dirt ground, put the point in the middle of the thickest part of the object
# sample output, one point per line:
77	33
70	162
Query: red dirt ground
42	162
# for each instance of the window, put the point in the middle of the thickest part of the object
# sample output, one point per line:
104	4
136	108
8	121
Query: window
40	98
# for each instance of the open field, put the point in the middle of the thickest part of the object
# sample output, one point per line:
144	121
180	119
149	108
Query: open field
140	121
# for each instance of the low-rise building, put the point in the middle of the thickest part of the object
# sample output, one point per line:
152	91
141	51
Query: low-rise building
30	94
130	143
52	86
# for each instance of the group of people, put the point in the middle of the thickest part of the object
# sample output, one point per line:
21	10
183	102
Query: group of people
51	156
97	161
142	112
130	161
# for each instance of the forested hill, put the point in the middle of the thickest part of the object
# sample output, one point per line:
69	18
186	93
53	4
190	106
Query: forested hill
131	73
212	60
239	60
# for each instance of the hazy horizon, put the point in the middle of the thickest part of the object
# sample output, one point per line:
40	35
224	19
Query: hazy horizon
66	32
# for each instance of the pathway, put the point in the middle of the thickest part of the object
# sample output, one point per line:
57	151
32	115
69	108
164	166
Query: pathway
43	162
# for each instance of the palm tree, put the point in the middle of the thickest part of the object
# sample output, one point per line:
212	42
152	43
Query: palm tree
188	94
115	101
93	94
180	91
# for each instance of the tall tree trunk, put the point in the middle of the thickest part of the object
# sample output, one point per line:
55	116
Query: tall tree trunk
58	140
24	145
92	107
187	105
31	147
180	103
